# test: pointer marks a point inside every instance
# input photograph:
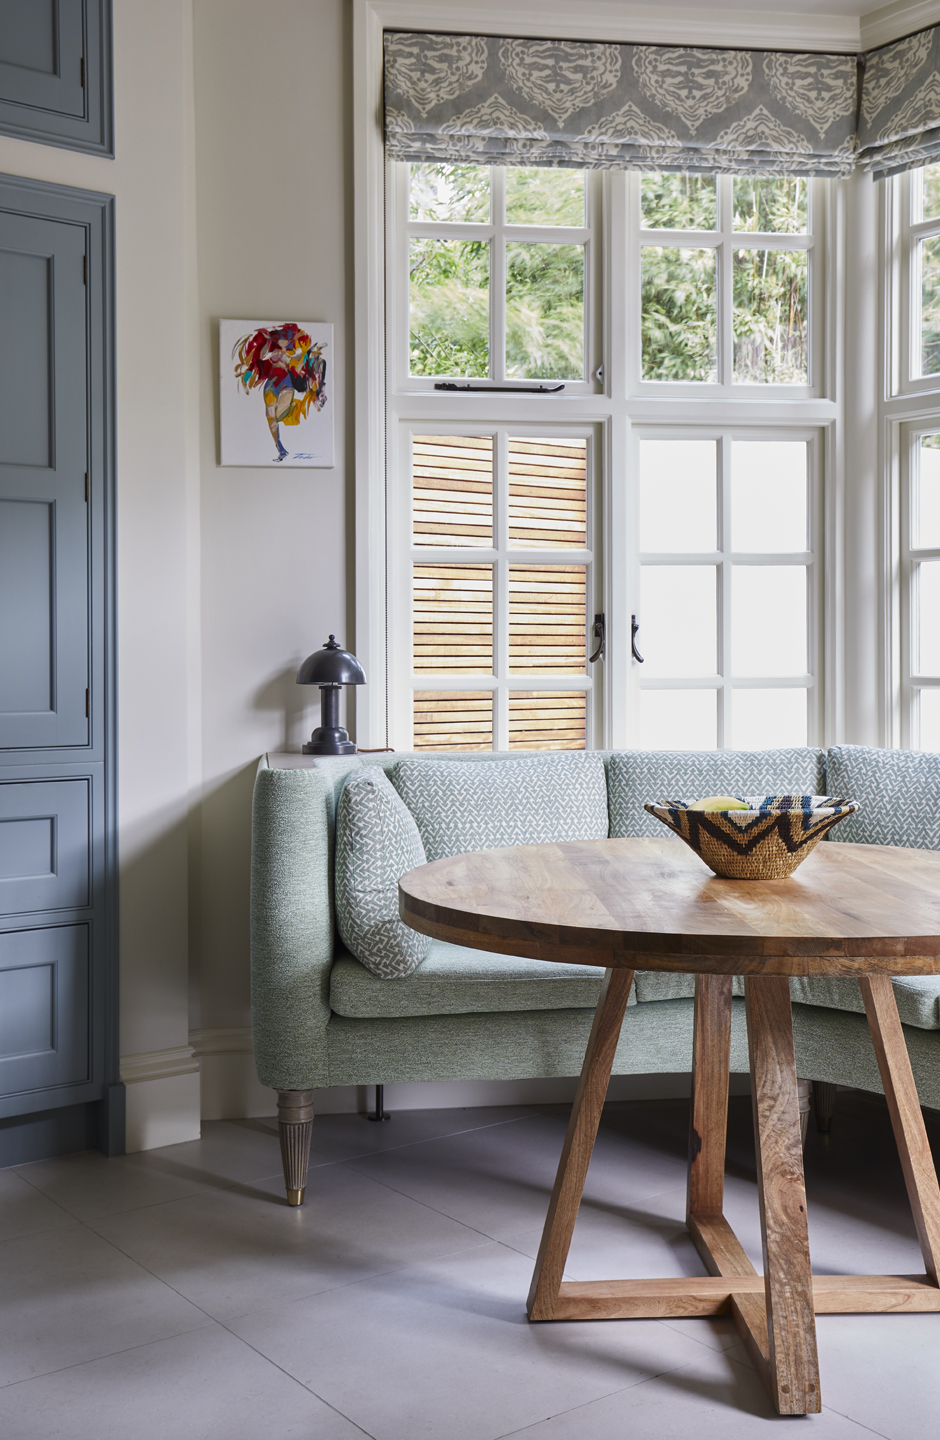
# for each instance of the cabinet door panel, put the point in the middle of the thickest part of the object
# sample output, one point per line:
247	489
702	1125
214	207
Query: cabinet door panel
44	1015
43	511
45	849
41	54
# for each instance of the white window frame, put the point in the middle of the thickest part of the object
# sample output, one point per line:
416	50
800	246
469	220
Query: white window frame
820	410
724	239
909	408
724	559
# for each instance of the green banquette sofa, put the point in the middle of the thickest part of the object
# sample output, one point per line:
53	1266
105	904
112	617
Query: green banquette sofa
321	1018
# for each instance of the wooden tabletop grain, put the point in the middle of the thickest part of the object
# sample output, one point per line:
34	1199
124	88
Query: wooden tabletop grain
653	904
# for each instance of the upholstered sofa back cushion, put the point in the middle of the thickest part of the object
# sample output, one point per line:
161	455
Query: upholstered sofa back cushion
640	775
899	792
529	801
376	843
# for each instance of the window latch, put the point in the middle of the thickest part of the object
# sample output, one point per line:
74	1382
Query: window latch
600	634
634	627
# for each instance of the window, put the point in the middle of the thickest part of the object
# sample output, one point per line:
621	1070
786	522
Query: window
552	336
913	418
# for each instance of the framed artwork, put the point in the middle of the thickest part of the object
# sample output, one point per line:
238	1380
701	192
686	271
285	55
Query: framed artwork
276	392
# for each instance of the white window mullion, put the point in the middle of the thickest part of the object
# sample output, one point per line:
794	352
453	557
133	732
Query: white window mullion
723	597
725	282
498	276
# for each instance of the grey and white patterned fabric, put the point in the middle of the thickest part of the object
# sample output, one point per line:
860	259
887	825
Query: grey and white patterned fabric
637	776
487	100
899	123
377	841
899	794
533	801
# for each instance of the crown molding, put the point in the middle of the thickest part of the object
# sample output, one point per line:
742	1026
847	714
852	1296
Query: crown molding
893	21
614	21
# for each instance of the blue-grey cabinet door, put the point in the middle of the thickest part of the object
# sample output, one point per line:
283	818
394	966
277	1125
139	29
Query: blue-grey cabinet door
42	54
43	464
55	72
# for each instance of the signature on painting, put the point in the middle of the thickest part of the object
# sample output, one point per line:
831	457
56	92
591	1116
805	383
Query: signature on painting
291	372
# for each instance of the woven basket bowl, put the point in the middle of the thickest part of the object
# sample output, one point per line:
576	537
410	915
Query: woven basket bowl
765	842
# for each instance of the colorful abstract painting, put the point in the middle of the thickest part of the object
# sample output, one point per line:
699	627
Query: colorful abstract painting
276	392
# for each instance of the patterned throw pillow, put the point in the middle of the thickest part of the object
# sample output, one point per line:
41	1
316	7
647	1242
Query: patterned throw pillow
640	775
377	841
487	804
898	790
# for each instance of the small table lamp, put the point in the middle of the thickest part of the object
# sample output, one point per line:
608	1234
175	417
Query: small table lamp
330	668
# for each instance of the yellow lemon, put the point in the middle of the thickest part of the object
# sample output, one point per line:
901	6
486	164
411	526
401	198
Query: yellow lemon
720	802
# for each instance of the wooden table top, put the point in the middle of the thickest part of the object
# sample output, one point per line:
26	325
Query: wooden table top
654	905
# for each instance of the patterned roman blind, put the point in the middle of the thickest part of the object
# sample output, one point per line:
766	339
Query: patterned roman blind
899	125
489	100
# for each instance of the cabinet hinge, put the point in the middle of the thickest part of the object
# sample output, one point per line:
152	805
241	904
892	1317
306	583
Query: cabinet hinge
86	704
81	72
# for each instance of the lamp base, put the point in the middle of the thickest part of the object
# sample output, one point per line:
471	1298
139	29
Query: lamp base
329	740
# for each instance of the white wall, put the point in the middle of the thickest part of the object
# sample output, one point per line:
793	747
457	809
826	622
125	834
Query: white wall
273	229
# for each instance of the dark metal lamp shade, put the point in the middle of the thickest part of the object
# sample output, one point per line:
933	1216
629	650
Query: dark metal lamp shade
330	668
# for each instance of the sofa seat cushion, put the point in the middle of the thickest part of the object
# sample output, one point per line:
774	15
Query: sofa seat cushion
530	801
918	996
454	980
636	776
898	790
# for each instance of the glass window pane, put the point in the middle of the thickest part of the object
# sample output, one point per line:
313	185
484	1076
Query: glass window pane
928	252
450	307
544	312
678	720
768	719
774	206
452	609
536	195
928	618
547	719
929	720
452	489
768	495
449	193
547	619
925	507
453	720
768	620
678	618
930	201
679	301
770	317
547	494
677	202
678	495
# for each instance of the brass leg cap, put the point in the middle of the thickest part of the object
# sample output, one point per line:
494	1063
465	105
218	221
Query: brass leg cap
296	1197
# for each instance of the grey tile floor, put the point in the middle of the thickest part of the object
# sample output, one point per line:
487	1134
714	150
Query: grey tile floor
172	1295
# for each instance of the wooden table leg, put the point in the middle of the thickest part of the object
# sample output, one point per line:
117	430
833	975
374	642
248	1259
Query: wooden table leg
897	1077
792	1366
708	1129
579	1143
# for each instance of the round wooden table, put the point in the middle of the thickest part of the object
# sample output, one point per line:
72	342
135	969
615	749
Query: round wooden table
872	911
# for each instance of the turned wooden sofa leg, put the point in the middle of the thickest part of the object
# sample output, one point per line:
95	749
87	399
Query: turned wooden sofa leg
824	1103
804	1091
295	1126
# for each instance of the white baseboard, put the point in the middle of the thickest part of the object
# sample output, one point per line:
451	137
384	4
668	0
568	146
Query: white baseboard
162	1088
231	1089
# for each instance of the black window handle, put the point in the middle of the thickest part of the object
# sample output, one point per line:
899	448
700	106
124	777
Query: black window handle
600	634
634	627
